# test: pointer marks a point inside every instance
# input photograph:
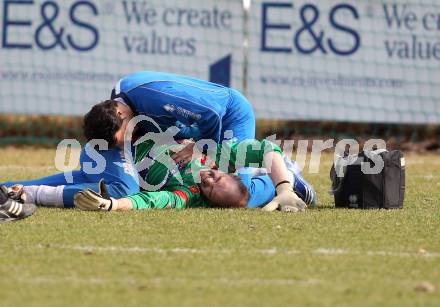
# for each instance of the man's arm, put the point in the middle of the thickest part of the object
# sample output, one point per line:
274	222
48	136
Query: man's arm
158	200
188	132
268	155
230	156
286	198
92	201
277	170
262	154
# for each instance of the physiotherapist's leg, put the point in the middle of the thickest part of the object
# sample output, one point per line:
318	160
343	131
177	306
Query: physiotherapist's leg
118	174
118	170
53	180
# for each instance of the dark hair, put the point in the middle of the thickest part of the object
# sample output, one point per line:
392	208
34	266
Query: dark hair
239	204
102	122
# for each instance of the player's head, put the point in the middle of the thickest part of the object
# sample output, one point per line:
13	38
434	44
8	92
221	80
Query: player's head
107	121
223	190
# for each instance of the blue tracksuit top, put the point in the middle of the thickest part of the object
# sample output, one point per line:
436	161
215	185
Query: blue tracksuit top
173	100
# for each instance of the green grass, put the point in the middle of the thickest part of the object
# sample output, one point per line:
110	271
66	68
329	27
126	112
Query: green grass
325	257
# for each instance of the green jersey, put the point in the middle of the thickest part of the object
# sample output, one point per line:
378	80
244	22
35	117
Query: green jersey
176	187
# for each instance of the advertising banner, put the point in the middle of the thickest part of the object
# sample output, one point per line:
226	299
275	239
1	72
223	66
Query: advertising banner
61	57
358	61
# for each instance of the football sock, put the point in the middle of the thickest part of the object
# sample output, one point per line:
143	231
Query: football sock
45	195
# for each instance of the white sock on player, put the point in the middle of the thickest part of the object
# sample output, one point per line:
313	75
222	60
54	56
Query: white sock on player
45	195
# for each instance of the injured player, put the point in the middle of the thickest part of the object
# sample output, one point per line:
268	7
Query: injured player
199	185
203	182
198	108
108	121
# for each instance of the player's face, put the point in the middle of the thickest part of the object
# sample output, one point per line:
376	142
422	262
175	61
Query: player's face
220	187
126	114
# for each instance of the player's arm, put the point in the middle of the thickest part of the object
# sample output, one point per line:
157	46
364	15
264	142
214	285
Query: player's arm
230	156
92	201
158	200
210	126
188	132
268	155
260	154
204	122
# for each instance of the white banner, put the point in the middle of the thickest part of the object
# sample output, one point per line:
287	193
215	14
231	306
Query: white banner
362	61
61	57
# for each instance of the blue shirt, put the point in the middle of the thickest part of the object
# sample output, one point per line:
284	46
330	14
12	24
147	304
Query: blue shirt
260	187
173	100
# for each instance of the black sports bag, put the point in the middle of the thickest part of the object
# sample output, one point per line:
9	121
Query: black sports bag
359	181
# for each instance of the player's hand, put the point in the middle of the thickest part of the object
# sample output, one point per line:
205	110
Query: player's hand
91	201
286	200
184	156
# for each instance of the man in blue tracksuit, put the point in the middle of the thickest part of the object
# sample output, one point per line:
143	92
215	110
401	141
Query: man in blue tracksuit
199	109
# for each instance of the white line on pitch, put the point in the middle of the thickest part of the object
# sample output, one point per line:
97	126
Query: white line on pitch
272	251
164	280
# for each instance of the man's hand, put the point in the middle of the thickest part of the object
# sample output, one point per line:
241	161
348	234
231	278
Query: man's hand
184	156
286	200
91	201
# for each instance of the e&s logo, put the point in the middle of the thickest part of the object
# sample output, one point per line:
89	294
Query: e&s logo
53	25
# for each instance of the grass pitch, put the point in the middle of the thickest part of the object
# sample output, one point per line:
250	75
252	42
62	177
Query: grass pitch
325	257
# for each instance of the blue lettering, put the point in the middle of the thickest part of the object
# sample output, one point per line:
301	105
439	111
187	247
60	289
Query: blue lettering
426	22
18	23
308	27
394	16
166	13
134	11
84	25
139	13
343	28
265	26
48	23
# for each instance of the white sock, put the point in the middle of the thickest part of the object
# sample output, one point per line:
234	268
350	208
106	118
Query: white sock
45	195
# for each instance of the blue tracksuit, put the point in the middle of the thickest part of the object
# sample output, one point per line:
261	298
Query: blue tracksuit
202	110
121	180
118	174
188	103
262	191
